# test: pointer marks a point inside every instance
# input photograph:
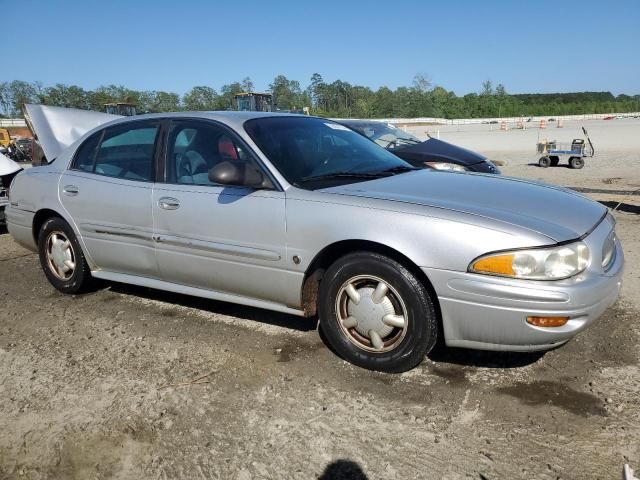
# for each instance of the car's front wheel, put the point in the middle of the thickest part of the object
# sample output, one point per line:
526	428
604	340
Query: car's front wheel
61	257
376	314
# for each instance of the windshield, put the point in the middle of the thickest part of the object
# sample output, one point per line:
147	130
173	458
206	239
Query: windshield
313	152
385	135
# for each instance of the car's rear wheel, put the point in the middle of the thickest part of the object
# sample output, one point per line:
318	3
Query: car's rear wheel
61	257
376	314
544	162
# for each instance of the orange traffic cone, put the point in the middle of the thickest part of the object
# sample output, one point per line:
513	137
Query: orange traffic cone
543	123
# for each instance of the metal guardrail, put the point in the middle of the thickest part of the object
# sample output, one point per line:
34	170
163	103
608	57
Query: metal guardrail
471	121
12	122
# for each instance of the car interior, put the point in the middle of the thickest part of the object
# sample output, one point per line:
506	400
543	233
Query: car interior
127	154
198	149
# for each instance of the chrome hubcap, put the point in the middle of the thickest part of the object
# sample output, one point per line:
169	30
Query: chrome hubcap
60	256
371	313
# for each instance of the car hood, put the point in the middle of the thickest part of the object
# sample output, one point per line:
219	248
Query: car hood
555	212
436	149
8	166
56	128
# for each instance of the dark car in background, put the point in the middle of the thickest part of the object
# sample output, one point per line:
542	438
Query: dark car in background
431	153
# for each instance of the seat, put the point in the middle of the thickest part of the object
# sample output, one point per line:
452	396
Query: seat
200	155
191	163
227	149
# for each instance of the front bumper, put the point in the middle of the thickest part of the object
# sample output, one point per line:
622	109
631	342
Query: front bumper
490	313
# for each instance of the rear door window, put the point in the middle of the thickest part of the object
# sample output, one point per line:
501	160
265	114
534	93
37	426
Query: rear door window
127	151
86	154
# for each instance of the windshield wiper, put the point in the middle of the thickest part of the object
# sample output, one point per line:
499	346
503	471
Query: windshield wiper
380	173
398	169
410	141
331	176
396	142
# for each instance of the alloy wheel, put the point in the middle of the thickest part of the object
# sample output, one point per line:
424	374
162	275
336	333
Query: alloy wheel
371	313
60	255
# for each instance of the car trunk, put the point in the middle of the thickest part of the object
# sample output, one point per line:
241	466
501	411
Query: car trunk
54	129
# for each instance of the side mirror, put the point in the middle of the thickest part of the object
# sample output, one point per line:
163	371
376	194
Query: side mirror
238	173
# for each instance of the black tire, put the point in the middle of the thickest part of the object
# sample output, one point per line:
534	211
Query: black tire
554	161
402	350
576	162
79	278
544	162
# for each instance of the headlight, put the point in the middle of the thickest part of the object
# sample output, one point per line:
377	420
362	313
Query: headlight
451	167
491	165
553	263
609	251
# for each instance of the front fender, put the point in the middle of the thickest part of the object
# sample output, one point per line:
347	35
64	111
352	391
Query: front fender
429	237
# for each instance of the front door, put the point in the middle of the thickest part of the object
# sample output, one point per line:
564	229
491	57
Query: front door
221	238
108	192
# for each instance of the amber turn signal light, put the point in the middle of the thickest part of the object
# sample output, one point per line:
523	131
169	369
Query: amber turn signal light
498	264
547	321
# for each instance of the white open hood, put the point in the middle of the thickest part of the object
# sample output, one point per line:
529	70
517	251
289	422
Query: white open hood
8	166
56	128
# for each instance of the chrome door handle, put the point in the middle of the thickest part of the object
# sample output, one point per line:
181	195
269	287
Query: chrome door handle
70	190
169	203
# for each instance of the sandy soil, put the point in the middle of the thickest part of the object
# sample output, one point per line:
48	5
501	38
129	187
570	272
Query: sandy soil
91	387
131	383
616	164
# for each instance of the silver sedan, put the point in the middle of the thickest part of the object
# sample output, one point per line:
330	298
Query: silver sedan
304	216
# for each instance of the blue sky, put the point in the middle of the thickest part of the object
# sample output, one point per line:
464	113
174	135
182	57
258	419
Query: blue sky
529	46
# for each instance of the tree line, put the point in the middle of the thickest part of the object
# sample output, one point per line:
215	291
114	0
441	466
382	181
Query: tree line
335	99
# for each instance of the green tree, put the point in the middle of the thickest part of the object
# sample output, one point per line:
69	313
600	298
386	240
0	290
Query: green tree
165	102
487	88
421	83
70	96
247	85
21	92
226	99
317	88
200	98
5	99
287	94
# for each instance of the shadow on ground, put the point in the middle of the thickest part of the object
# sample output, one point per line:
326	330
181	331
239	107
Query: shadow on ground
440	354
484	359
560	165
215	307
622	207
343	470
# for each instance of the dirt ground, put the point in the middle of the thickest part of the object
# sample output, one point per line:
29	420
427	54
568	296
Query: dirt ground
615	165
131	383
97	386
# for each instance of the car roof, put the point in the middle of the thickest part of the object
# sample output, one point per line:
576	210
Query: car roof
357	121
232	118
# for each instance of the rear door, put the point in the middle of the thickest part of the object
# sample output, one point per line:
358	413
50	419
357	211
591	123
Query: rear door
223	238
108	192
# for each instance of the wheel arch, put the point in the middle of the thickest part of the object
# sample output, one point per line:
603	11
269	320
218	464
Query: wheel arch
39	218
329	254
